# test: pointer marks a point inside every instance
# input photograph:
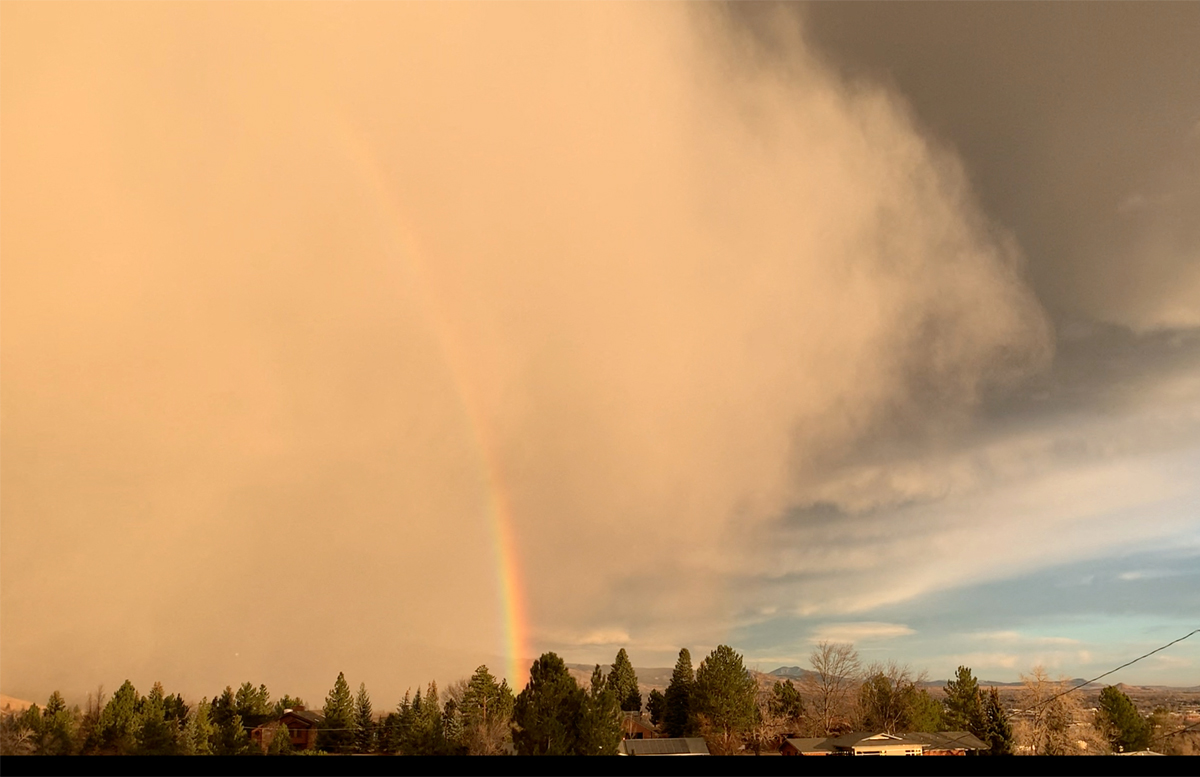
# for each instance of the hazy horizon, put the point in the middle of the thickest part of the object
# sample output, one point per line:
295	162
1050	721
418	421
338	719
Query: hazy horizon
396	338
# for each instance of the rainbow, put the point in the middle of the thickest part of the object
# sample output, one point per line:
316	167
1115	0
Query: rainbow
510	589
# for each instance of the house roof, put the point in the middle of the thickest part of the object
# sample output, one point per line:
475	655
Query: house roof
811	744
950	740
308	716
855	737
682	746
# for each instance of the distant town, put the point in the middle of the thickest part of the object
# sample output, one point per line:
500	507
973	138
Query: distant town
836	706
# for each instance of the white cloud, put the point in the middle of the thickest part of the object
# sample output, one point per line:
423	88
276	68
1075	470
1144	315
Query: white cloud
593	638
1013	637
862	631
978	660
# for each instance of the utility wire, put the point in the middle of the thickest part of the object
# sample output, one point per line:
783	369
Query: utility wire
1178	731
1122	666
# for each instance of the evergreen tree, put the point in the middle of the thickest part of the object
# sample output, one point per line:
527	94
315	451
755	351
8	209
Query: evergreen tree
286	702
724	700
230	733
546	714
410	724
677	717
118	721
453	734
156	734
281	739
656	705
964	704
998	730
1120	722
389	739
337	733
364	721
786	704
175	709
254	705
486	712
198	732
600	718
426	736
623	681
401	736
58	727
927	713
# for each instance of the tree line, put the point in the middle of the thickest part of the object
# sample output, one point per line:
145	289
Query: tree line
554	714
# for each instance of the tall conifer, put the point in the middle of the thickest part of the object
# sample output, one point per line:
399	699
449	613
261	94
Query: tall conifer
999	732
724	698
624	683
337	732
364	721
546	714
599	719
677	717
964	705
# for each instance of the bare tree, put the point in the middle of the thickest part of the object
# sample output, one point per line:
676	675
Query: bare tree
768	724
1052	720
832	688
17	737
888	697
456	690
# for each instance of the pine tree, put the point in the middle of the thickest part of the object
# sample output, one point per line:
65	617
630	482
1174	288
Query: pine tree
156	734
54	704
364	721
656	705
786	704
927	713
453	735
175	709
486	711
230	731
389	739
724	698
118	721
999	732
546	714
402	736
286	702
623	681
337	733
678	720
280	739
964	704
58	727
198	732
410	717
1120	722
599	718
253	704
425	736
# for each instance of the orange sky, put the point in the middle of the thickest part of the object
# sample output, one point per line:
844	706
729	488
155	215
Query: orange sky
239	241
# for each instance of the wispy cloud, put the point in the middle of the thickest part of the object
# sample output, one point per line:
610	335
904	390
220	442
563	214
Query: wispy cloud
861	631
1012	637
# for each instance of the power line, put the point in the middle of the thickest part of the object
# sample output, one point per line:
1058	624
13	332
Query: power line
1178	731
1122	666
